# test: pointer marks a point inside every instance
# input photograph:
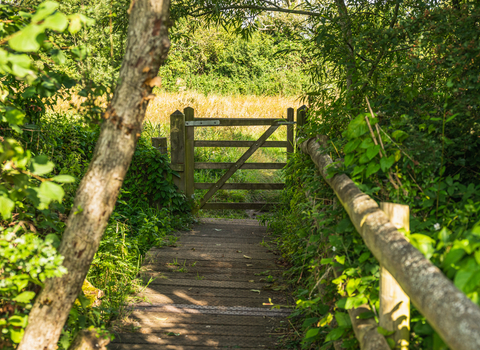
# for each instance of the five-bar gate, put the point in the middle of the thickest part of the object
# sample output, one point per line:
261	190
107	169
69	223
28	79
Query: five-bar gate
183	143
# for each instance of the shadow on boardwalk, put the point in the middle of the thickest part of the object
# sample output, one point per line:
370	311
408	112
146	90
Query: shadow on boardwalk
209	292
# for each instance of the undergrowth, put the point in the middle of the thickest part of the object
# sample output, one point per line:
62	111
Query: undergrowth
148	211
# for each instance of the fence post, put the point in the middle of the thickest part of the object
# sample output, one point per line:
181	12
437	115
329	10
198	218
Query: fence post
290	141
160	143
177	147
394	313
301	119
189	153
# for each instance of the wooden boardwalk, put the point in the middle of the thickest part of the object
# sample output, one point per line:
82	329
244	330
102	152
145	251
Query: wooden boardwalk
209	292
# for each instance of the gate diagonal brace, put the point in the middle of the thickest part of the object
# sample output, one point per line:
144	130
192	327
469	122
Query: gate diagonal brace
238	164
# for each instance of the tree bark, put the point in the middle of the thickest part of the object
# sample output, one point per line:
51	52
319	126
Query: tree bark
147	48
455	317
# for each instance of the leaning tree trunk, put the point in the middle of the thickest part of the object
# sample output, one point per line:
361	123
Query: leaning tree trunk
147	48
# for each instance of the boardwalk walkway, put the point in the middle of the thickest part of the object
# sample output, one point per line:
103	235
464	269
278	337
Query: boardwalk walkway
209	292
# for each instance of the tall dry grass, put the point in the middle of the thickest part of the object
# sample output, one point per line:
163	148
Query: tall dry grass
215	106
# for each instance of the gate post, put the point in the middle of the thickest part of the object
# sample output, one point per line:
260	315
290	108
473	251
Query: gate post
290	141
394	313
160	143
189	154
301	119
177	148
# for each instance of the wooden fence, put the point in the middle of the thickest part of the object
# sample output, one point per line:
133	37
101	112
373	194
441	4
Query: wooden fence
405	273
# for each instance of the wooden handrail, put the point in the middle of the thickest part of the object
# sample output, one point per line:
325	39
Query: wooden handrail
455	317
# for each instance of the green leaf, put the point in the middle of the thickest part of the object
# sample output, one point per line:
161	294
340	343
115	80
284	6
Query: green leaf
343	319
349	159
384	332
335	334
364	257
51	191
358	169
351	146
325	320
57	22
24	297
372	169
391	343
341	303
386	163
40	165
364	159
423	243
367	143
26	39
6	207
365	315
452	257
18	321
76	21
15	116
451	118
16	335
340	259
399	135
64	178
53	239
312	333
373	151
352	286
357	127
45	9
21	65
467	279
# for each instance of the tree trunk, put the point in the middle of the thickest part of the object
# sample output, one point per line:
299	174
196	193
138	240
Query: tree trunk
147	48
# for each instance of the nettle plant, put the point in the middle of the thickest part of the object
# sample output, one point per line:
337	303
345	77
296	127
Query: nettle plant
29	80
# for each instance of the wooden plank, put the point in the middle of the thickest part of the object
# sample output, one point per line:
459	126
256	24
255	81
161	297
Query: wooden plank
177	147
242	186
238	164
218	341
242	121
290	117
204	143
244	166
189	153
241	206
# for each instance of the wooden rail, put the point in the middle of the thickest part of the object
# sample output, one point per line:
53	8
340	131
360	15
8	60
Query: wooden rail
455	317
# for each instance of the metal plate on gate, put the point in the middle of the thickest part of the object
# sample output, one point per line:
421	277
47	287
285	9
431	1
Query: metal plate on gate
202	123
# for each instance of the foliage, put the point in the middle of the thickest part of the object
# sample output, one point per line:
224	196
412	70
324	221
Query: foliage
213	60
26	261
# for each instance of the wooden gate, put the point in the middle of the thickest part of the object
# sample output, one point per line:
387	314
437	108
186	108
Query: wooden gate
183	144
